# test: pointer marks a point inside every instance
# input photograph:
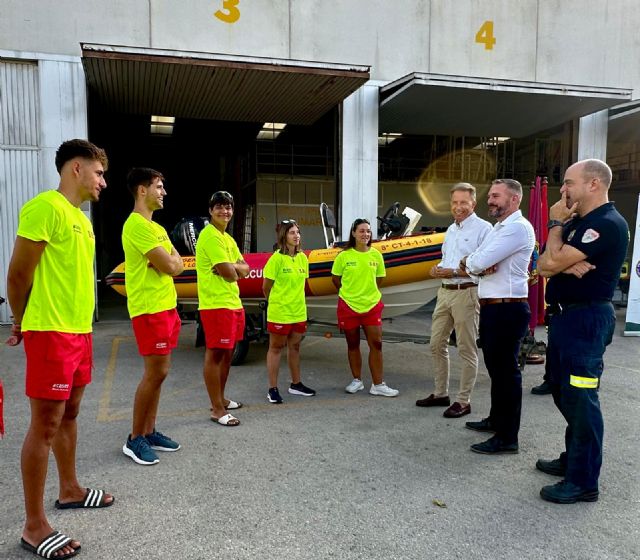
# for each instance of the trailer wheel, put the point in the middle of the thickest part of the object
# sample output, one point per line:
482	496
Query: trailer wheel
240	351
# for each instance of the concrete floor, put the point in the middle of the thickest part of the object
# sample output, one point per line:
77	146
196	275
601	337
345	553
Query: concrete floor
333	476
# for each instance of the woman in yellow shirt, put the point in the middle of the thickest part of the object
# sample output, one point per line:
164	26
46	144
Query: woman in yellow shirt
357	273
284	278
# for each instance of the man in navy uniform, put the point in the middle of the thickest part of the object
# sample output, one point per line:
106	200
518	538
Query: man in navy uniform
585	250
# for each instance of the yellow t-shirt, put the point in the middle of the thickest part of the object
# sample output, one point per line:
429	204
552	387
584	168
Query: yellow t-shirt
286	298
359	271
62	296
213	248
148	289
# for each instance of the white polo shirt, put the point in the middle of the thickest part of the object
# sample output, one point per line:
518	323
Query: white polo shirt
508	246
460	240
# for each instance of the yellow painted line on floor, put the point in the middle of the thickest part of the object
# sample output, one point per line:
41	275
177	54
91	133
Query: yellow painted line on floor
104	406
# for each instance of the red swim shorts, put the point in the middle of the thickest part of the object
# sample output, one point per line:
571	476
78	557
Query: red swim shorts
157	333
222	327
285	329
348	319
56	363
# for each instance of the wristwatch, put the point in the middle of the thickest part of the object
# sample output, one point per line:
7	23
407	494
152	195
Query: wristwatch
554	223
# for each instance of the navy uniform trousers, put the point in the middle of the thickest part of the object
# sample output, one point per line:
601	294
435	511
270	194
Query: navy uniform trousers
502	328
578	337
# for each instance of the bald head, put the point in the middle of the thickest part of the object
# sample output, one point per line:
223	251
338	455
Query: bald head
595	169
586	185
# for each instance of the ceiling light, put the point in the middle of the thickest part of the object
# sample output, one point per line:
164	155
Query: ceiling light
270	130
162	125
387	137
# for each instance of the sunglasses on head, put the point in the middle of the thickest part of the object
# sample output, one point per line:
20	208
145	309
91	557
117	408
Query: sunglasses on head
287	222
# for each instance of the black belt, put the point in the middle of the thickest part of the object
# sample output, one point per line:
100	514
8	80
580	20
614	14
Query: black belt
556	308
462	286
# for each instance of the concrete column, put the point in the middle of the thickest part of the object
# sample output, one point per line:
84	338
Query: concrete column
359	180
592	136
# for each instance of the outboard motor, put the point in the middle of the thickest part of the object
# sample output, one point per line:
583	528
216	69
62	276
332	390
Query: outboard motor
392	224
185	234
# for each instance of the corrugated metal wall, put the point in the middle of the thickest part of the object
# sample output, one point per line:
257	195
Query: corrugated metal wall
19	163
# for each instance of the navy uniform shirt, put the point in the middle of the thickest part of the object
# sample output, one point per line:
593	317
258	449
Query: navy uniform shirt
602	235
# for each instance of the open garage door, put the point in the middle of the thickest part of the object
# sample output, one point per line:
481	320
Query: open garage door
470	106
217	87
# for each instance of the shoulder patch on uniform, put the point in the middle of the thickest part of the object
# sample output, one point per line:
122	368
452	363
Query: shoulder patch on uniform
590	235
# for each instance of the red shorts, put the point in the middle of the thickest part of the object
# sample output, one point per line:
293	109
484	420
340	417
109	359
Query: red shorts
222	327
56	363
157	333
348	319
285	329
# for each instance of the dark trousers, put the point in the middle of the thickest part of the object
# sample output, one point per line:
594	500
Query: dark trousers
502	328
577	341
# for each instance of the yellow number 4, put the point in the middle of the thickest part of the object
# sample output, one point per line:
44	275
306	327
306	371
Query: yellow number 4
485	35
229	13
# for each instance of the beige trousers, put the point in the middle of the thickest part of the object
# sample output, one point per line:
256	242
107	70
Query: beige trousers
459	310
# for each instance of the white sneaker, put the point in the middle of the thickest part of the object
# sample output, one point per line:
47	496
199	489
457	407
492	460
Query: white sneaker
355	386
382	390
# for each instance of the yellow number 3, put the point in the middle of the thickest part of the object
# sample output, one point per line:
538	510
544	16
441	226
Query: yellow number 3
485	35
232	14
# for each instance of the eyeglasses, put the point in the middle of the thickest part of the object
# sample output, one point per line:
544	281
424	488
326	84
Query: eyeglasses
287	222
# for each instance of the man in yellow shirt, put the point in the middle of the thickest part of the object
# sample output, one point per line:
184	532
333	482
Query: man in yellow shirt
151	262
219	266
50	289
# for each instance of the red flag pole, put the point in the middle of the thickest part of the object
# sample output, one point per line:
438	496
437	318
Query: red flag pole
544	218
534	218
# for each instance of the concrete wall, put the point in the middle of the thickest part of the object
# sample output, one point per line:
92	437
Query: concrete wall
591	42
42	103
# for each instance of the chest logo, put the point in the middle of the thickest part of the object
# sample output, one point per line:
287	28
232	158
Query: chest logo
590	235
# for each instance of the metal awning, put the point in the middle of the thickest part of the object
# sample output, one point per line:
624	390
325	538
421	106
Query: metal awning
624	123
213	86
470	106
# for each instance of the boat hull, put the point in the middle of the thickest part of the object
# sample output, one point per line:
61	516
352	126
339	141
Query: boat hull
406	287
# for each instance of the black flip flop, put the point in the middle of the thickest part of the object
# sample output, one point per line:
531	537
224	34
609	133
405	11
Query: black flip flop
93	499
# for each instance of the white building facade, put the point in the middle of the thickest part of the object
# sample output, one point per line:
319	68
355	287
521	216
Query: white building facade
430	71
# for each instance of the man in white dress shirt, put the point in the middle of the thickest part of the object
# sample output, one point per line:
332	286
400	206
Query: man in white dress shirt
502	262
457	306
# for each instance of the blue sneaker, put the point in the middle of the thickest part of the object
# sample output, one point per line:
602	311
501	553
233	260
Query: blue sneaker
140	451
160	442
273	396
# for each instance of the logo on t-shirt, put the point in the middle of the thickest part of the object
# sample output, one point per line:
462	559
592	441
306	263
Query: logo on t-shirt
590	235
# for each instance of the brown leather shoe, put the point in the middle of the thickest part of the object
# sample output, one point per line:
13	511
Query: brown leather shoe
456	410
432	400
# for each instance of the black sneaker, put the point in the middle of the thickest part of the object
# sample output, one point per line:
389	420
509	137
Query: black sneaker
273	396
300	389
